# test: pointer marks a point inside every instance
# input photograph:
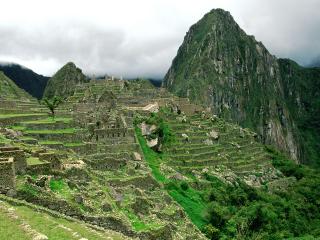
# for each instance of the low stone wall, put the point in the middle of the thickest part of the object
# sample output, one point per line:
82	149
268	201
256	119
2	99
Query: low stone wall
48	126
4	122
86	148
7	175
107	163
39	168
53	159
61	137
143	182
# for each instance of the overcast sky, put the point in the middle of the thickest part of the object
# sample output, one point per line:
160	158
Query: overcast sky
140	37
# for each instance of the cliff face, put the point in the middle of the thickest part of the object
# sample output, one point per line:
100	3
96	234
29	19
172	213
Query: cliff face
64	81
221	67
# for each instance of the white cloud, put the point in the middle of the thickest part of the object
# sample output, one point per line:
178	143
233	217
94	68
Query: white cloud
140	38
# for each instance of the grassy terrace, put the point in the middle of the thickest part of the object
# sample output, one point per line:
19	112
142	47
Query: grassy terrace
50	142
4	140
14	115
57	131
34	161
49	120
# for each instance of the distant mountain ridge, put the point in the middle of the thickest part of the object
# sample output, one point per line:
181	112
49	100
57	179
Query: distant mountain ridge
25	78
220	66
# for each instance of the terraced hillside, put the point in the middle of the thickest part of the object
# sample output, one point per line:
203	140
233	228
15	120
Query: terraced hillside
126	157
86	162
199	152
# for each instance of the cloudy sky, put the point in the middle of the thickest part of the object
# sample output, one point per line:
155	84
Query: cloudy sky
140	38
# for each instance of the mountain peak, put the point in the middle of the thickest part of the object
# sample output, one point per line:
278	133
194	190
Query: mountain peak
64	80
220	66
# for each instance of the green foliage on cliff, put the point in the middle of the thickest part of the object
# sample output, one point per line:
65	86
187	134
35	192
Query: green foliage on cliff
63	83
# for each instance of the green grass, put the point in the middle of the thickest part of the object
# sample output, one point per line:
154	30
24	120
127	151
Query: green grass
139	225
4	140
27	138
57	131
10	229
50	142
60	187
49	120
153	158
34	161
75	144
190	200
54	228
13	115
18	128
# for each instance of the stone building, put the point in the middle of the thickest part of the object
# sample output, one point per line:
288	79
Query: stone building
20	162
7	174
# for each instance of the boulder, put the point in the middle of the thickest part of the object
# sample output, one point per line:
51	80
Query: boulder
106	207
137	156
78	199
152	142
208	142
213	134
146	129
185	137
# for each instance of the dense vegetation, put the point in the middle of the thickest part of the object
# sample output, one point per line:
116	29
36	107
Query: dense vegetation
225	211
26	79
244	212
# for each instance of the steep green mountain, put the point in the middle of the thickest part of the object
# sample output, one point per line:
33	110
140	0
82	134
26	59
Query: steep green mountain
64	81
26	79
9	90
220	66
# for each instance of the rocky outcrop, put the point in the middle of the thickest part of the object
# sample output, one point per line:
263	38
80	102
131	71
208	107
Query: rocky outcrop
220	66
63	83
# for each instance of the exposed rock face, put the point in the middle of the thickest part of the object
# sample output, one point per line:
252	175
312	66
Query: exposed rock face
64	81
220	66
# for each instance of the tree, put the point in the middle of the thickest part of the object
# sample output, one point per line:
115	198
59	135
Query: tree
52	104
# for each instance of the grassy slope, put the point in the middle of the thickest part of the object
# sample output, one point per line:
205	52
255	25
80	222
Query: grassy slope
191	200
53	227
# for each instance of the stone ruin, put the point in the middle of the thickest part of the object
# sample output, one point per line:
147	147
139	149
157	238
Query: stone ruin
7	175
19	158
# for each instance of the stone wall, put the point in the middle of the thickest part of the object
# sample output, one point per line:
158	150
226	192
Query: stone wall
43	168
20	163
53	159
7	175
